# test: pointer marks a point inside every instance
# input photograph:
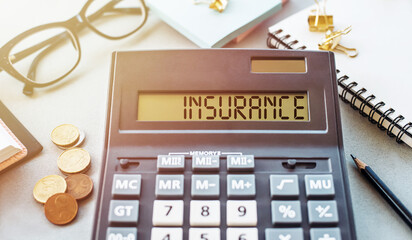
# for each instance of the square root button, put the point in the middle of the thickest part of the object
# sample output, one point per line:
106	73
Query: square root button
167	163
169	186
241	186
284	186
240	163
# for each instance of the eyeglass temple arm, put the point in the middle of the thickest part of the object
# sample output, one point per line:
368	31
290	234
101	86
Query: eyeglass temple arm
28	89
62	36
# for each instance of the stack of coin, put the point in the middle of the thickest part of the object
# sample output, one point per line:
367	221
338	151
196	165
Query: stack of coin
60	195
67	136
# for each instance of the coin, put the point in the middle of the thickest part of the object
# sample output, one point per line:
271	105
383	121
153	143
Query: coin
75	160
79	142
61	208
65	135
79	185
48	186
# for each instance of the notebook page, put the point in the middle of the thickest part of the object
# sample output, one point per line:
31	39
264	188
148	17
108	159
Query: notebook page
385	53
6	139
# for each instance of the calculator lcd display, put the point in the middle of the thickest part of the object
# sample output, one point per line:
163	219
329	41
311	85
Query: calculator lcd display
223	107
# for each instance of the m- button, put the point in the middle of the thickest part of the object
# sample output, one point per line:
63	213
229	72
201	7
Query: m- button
166	163
319	185
244	163
126	185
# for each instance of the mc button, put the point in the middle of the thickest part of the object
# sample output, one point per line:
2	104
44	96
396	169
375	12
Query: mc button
126	185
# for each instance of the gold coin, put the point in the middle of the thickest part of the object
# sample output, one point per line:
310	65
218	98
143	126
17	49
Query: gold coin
61	208
75	160
65	135
48	186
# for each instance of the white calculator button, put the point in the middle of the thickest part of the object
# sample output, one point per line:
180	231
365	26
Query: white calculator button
204	234
167	234
242	234
241	213
205	213
168	213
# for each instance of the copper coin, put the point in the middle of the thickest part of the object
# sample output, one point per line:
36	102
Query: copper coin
79	185
61	208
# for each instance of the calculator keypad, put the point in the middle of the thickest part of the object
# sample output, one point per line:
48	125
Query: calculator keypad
204	213
168	213
206	216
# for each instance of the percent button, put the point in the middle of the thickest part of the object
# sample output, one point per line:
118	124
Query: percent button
286	212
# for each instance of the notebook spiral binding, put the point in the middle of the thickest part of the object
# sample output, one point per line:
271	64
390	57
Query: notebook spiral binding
279	40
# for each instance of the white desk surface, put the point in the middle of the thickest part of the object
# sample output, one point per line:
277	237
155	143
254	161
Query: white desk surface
81	100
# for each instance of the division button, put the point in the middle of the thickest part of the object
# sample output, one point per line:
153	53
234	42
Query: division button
241	186
205	186
169	186
242	233
168	213
204	213
205	163
124	211
167	163
121	233
283	186
319	185
325	234
322	212
286	212
241	213
284	234
204	234
244	163
167	234
126	185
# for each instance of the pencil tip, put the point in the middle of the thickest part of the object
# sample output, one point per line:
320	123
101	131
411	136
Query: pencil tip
359	163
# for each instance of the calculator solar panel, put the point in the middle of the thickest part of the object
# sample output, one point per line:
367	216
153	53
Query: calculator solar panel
228	144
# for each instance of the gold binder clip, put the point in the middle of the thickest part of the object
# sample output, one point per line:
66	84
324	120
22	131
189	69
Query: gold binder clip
331	42
320	22
218	5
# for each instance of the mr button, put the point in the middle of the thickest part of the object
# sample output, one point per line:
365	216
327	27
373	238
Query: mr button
169	186
126	185
244	163
319	185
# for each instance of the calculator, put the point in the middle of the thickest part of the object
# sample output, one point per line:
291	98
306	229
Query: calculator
223	144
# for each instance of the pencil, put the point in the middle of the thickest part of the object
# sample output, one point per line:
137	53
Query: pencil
385	192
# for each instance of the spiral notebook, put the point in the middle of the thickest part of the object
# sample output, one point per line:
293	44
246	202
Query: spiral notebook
378	82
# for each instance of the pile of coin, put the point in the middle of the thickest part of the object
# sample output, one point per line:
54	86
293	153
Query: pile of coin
60	195
67	136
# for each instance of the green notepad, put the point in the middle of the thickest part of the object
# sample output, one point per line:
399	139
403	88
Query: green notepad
207	27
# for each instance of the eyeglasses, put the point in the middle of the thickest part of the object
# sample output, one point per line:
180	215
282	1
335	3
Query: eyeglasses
44	55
